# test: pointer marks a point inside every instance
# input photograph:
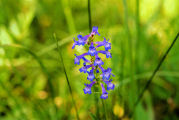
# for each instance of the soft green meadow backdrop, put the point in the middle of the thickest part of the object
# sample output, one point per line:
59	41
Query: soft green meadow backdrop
33	85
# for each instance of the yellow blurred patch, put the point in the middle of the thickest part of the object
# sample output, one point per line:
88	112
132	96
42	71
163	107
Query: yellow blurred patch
147	9
118	110
58	101
125	118
73	111
158	28
171	8
42	94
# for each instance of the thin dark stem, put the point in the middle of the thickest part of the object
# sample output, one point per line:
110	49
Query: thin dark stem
155	71
90	28
89	15
70	89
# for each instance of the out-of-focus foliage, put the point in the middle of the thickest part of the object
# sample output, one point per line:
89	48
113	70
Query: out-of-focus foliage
32	81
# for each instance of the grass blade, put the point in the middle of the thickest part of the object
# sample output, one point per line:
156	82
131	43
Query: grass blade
69	86
153	74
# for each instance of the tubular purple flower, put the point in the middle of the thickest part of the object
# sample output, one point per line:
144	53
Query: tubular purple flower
109	84
107	53
107	74
104	43
98	61
87	89
78	58
85	68
75	43
91	75
95	30
104	93
92	50
81	40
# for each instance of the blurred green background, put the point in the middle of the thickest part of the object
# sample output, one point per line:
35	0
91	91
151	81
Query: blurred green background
33	85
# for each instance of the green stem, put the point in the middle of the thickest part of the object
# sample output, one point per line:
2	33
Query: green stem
89	15
131	67
138	42
69	86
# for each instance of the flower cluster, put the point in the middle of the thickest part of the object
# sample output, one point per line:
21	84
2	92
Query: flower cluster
93	67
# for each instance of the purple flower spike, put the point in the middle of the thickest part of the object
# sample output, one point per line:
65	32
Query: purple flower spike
93	64
85	68
95	30
107	74
110	85
90	75
92	50
104	93
98	61
87	89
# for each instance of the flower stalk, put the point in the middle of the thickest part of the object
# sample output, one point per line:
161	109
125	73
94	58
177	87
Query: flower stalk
97	75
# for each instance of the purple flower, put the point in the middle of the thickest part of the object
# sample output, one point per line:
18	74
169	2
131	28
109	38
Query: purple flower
104	93
90	75
95	30
81	40
93	64
92	50
85	68
87	89
78	58
107	53
98	61
109	84
105	43
106	73
75	43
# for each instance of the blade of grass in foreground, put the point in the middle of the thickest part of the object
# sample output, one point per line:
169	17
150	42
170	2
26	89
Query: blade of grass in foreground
69	86
152	76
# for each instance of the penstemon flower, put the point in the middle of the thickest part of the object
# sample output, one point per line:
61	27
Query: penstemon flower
93	67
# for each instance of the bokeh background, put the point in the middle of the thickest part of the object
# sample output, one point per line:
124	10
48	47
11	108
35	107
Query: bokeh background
33	85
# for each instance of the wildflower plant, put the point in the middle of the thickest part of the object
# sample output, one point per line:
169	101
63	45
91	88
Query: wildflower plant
94	66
